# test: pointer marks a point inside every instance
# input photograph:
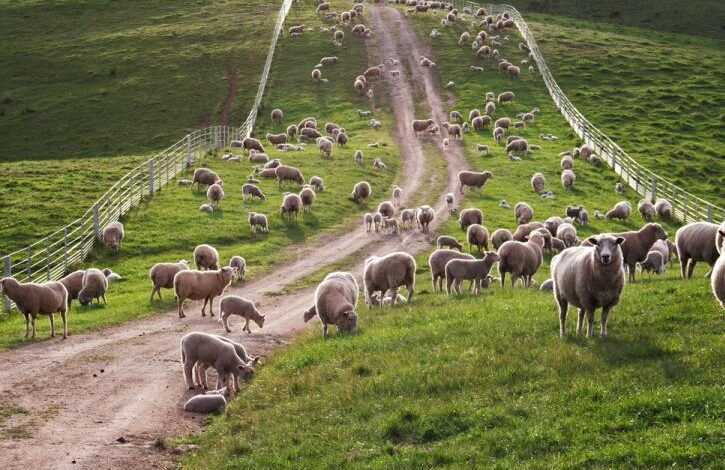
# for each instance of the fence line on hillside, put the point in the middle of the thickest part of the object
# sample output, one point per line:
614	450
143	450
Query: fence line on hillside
52	257
687	207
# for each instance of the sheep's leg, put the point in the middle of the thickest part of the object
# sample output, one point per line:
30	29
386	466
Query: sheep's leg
590	323
211	306
514	278
27	325
103	296
691	267
457	285
181	307
203	308
580	321
563	309
188	370
502	275
411	290
684	260
246	326
153	291
51	317
225	321
64	316
32	321
632	269
605	315
435	279
324	330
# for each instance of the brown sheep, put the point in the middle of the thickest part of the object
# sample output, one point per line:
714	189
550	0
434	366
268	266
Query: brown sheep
32	299
472	179
288	173
198	285
470	216
387	273
500	236
307	195
361	191
523	230
523	213
477	235
506	97
277	115
250	143
521	259
386	208
206	256
696	242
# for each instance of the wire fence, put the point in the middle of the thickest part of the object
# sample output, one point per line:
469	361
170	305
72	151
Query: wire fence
53	257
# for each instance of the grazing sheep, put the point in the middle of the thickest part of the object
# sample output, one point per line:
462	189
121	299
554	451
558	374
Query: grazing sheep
568	178
424	216
437	263
250	143
566	232
470	216
498	133
335	301
215	194
500	236
646	209
717	277
235	305
521	259
474	113
94	286
420	125
506	97
586	151
113	235
317	183
288	173
476	271
386	208
206	256
663	207
387	273
291	205
239	265
589	278
512	71
378	164
206	177
198	285
472	179
547	285
211	351
567	163
517	145
291	130
32	299
552	224
277	115
73	283
503	123
621	210
477	235
449	242
258	220
307	195
523	230
397	195
653	263
361	191
523	213
696	242
250	191
449	201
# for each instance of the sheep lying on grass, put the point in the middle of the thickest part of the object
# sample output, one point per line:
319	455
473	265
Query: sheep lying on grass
335	301
32	299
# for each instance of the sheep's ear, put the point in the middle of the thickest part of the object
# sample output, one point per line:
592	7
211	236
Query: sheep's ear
619	240
593	240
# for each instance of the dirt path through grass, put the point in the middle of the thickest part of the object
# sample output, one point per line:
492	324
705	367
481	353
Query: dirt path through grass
99	400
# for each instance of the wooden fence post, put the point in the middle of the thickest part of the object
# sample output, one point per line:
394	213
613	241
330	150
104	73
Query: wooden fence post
96	220
7	273
30	264
65	250
188	150
709	213
654	187
47	258
151	177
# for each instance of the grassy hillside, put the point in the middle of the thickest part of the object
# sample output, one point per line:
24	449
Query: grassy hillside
485	381
169	227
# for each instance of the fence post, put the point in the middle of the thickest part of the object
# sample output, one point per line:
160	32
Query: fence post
654	188
7	273
151	177
709	213
614	158
30	264
65	250
188	150
47	258
96	220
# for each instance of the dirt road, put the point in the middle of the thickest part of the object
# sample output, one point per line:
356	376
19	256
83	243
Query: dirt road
99	400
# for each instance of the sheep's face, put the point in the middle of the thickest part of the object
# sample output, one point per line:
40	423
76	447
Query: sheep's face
606	247
246	372
348	321
260	321
309	313
84	299
659	232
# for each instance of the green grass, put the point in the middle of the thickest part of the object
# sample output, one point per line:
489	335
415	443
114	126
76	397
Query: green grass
170	226
479	382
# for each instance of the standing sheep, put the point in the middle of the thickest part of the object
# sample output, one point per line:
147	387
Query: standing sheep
646	209
449	202
448	242
162	276
717	277
538	181
277	115
506	97
291	205
552	224
437	263
521	259
387	273
500	236
317	183
215	194
206	177
250	191
523	230
198	285
470	216
589	277
696	242
424	217
32	299
235	305
568	178
638	244
288	173
477	235
621	210
95	285
361	191
258	220
113	235
368	221
472	179
73	283
210	351
566	232
663	207
523	213
307	195
335	301
239	265
567	163
206	256
476	271
397	195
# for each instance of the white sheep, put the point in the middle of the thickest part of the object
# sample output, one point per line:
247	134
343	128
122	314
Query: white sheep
335	301
113	235
162	276
198	285
206	257
387	273
32	299
236	305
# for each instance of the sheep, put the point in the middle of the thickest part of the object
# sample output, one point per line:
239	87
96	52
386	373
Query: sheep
377	221
185	182
205	403
361	191
586	151
307	195
424	216
621	210
420	125
341	139
637	244
239	265
300	28
523	230
112	235
95	285
547	285
484	51
503	123
552	224
480	123
111	277
588	278
407	218
291	130
696	242
257	157
258	220
568	178
503	65
498	133
277	115
566	232
387	273
445	144
338	35
276	139
32	299
198	285
368	221
653	263
470	216
325	146
521	259
453	130
583	217
73	283
215	194
201	350
291	205
663	207
567	163
317	183
207	257
523	213
316	74
437	263
362	113
472	179
506	97
205	176
426	62
386	208
236	305
250	191
500	236
359	85
455	116
208	208
717	276
474	113
449	242
375	124
490	108
250	143
513	71
335	301
646	209
477	235
288	173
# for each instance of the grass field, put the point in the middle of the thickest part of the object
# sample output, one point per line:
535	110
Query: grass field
481	382
169	227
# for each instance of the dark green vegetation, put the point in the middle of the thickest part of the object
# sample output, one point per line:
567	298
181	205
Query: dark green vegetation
481	382
169	227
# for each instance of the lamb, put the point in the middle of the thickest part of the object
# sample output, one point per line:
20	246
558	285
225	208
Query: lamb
717	277
307	195
95	285
205	176
205	403
288	173
506	97
207	257
696	242
387	273
239	265
361	191
198	285
566	232
335	301
476	271
300	28
472	179
407	218
113	235
420	125
470	216
215	194
200	350
317	183
277	115
377	220
250	191
235	305
523	230
521	259
477	235
638	244
386	208
663	207
653	263
291	205
500	236
73	283
449	202
621	210
316	74
523	213
646	209
397	195
517	145
424	217
568	178
250	143
258	220
32	299
552	224
449	242
437	263
368	221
